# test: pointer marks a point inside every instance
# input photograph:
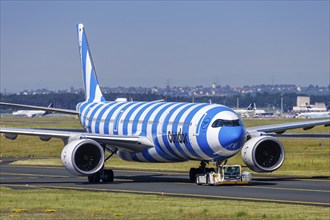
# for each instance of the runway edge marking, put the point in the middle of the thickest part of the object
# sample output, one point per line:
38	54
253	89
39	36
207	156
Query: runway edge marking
33	174
288	189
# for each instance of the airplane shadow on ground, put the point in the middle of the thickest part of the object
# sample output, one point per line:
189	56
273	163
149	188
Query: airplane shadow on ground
290	178
159	178
150	178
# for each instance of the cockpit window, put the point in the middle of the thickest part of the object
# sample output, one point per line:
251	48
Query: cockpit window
229	123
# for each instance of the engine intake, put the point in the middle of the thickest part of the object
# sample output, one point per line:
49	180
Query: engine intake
263	154
83	157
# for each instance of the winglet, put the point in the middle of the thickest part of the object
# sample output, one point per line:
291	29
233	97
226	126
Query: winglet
92	89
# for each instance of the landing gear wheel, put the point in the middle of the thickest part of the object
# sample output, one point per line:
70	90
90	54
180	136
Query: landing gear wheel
94	178
200	170
192	174
107	176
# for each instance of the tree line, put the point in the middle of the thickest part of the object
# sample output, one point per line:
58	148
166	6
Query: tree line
70	100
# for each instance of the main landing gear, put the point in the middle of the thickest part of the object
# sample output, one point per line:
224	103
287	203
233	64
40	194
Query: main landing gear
104	175
201	170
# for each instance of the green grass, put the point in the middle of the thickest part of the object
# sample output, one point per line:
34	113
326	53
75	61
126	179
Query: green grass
33	147
40	122
72	204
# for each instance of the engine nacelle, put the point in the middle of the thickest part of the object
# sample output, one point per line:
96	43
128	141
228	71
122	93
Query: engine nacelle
83	157
263	154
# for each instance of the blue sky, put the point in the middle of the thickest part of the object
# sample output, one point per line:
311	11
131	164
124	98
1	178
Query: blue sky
144	43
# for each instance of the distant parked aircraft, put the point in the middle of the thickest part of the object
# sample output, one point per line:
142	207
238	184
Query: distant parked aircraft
250	111
310	115
32	113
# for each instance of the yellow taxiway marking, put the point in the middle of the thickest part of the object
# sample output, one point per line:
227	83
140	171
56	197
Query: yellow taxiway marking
266	187
316	180
45	175
288	178
177	194
288	189
35	166
19	178
124	180
30	174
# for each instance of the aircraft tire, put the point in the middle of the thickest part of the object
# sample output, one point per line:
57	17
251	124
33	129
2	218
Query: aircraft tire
192	174
95	178
109	176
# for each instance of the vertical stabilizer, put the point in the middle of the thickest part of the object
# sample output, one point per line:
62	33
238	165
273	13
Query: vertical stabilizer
92	89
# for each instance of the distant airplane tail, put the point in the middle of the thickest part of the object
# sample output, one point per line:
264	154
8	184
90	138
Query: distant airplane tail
51	105
92	89
252	106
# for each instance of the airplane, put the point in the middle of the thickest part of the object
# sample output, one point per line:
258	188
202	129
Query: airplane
251	110
32	113
157	132
313	115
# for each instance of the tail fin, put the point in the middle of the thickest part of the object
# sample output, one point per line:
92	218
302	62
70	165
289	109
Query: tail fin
51	105
252	106
92	89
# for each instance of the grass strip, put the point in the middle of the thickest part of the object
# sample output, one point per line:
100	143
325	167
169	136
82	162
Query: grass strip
73	204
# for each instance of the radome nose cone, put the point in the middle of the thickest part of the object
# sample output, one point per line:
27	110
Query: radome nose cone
231	138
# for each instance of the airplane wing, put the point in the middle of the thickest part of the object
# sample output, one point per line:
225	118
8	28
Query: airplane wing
302	135
59	110
131	143
281	128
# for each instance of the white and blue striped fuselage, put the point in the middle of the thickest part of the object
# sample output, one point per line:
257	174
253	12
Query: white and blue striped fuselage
179	131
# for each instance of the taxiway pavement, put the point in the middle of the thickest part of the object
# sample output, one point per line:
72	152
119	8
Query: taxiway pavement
311	191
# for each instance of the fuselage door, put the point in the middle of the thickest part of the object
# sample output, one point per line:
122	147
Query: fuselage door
201	124
116	122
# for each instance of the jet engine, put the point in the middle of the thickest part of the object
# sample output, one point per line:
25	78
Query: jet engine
263	154
83	157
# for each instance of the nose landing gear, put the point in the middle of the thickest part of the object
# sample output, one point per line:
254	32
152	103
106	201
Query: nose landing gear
201	170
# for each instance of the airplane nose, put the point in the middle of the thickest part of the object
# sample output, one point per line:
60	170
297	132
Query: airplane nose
232	138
